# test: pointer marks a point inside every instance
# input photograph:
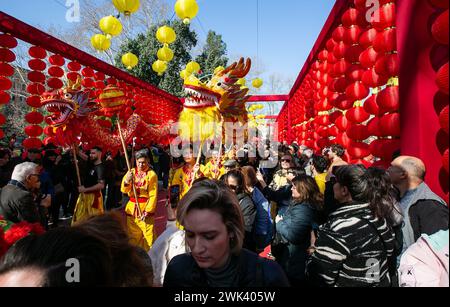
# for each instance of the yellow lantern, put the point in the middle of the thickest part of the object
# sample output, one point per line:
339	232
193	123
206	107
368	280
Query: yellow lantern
130	60
218	69
166	35
257	83
100	42
165	54
192	67
186	10
184	74
111	26
126	7
160	67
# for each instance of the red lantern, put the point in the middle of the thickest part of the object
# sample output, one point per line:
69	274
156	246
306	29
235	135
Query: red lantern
333	131
388	100
99	76
323	55
35	88
387	65
343	140
357	115
33	130
338	34
443	119
440	28
351	35
88	83
56	71
339	50
4	97
384	148
371	106
445	161
340	68
367	38
73	76
55	83
37	52
37	64
5	84
343	103
442	4
368	57
373	127
357	91
353	53
358	150
87	72
74	66
371	79
34	118
330	46
387	17
386	41
6	70
32	143
7	55
357	132
342	123
56	60
339	85
442	79
390	125
36	76
354	73
34	101
8	41
353	17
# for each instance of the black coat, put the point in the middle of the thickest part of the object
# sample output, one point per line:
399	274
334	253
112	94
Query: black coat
253	271
17	205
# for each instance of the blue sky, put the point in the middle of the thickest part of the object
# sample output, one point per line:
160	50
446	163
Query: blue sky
287	32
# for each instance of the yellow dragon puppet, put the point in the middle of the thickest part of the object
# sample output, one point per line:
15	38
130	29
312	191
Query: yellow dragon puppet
208	106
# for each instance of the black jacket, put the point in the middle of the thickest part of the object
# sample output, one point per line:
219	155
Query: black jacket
253	271
17	204
248	209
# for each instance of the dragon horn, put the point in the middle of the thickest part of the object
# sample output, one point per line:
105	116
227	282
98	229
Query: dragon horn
74	85
239	70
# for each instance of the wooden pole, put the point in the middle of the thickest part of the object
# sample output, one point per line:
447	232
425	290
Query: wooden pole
75	158
129	169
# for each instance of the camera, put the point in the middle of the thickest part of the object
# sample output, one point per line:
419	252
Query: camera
174	196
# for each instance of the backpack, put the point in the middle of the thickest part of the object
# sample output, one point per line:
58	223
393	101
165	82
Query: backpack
263	225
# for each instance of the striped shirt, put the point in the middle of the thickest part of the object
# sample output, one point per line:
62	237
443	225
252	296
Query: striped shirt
349	250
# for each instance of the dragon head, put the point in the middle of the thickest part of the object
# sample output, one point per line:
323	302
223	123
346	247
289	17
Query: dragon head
66	103
221	91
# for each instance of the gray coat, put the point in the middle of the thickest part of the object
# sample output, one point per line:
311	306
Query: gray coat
17	204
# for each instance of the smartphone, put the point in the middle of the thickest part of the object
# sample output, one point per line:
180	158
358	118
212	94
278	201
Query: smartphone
174	195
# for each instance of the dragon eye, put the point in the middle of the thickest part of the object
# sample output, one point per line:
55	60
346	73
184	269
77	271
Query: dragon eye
67	96
219	84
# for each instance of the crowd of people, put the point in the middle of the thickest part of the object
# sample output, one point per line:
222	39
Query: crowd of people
286	217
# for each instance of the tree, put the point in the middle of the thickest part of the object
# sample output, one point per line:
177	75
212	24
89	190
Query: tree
213	54
145	47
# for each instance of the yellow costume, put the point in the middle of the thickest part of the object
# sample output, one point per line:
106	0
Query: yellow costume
88	204
184	178
142	232
214	171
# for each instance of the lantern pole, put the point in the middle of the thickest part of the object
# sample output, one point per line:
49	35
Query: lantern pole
75	160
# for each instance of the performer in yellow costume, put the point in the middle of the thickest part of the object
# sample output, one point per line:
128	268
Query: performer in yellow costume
140	219
186	175
214	168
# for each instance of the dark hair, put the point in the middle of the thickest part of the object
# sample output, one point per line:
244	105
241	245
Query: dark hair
51	251
338	150
97	148
239	177
320	163
4	152
309	191
144	153
382	196
216	196
297	171
128	266
250	176
356	179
